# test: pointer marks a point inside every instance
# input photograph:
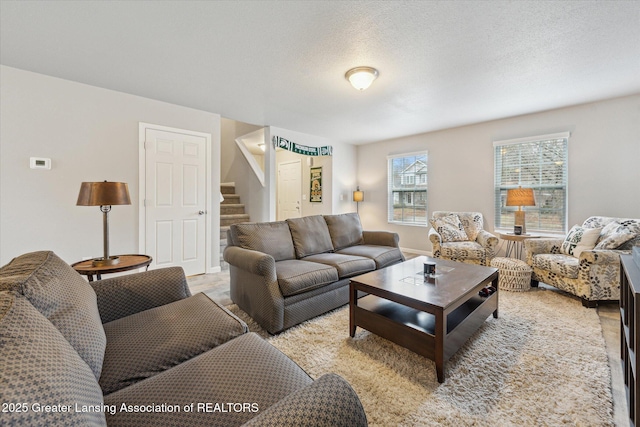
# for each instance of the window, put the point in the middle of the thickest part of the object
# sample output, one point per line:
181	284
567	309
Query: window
407	184
539	163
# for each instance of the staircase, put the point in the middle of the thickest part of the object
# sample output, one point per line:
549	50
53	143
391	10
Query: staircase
231	212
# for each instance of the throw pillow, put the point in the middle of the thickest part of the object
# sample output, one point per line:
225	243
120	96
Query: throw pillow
450	228
273	238
310	235
580	239
345	230
609	229
614	240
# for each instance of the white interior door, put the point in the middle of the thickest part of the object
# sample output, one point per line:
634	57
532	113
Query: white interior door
289	190
175	199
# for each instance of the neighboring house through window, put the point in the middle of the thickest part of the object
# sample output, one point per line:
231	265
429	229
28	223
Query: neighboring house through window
539	163
407	186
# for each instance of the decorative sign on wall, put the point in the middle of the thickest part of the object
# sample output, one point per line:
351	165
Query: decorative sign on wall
301	149
316	185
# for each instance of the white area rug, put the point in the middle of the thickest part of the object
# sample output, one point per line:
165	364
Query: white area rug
542	362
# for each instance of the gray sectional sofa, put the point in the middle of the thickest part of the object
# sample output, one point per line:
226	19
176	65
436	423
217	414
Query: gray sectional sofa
140	350
286	272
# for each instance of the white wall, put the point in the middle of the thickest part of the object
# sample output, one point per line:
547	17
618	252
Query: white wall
604	165
91	134
326	163
235	168
338	172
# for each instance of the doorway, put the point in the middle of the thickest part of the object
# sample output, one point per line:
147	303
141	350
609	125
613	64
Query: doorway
289	189
175	197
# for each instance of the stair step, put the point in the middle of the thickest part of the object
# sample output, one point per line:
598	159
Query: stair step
231	212
231	199
233	219
231	208
227	189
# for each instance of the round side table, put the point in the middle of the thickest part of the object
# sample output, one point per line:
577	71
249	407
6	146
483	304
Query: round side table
514	243
127	262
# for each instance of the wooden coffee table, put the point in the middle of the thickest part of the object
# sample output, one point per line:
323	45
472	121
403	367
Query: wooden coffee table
433	317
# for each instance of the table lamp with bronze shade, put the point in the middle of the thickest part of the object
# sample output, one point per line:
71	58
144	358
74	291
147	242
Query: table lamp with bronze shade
104	194
520	197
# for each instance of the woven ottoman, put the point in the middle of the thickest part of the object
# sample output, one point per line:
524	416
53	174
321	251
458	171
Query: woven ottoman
514	274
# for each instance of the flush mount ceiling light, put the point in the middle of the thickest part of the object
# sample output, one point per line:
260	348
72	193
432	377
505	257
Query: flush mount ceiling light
361	77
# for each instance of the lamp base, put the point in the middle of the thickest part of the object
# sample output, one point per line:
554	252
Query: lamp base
104	262
519	220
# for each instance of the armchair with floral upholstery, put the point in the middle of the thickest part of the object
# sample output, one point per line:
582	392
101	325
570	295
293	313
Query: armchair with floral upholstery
591	273
460	236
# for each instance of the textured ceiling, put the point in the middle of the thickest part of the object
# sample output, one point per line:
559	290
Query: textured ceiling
282	63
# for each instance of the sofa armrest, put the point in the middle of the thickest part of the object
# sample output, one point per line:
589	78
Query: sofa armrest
487	240
601	257
436	242
254	262
543	246
126	295
254	286
381	238
327	402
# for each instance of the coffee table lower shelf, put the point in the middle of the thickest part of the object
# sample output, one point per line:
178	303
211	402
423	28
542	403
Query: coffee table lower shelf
417	330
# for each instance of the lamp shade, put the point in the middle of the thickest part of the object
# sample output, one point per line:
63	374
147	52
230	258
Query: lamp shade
103	194
520	197
358	195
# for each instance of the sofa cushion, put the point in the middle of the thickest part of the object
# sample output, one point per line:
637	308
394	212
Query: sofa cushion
450	228
246	370
310	235
40	367
346	265
297	276
273	238
462	250
560	264
579	239
149	342
58	292
383	256
345	230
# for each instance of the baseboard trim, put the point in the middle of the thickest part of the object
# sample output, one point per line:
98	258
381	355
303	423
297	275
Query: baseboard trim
416	251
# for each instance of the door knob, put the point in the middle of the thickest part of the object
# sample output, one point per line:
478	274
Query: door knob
202	212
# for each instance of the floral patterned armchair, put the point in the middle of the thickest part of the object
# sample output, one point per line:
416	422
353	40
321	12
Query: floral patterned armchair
460	236
594	275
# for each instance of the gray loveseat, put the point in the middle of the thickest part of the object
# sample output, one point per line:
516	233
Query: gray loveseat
140	350
286	272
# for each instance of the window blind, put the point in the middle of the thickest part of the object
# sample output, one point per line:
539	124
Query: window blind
539	163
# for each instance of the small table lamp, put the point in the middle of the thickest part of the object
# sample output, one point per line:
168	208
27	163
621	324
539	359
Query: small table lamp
520	197
104	194
358	196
